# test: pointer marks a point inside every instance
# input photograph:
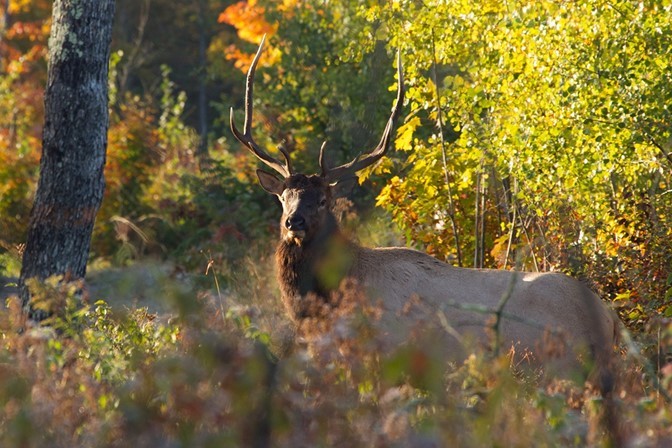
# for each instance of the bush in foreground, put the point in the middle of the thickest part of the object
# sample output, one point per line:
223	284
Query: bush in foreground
210	376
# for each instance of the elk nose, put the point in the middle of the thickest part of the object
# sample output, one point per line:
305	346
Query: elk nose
295	223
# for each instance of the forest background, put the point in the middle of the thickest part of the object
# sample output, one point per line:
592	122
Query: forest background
535	135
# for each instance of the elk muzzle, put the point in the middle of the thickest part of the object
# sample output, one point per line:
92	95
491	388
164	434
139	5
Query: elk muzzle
295	228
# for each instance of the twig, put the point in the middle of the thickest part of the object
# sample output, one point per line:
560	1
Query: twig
529	242
451	205
211	266
510	242
502	315
500	310
646	363
484	191
667	155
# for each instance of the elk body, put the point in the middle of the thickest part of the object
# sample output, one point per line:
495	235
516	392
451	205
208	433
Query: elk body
313	256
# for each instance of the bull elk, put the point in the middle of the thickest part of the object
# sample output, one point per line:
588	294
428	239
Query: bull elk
313	255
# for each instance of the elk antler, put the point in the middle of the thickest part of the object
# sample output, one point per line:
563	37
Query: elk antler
360	162
284	169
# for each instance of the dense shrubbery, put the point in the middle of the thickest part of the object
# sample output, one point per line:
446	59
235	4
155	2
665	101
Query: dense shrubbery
207	376
161	200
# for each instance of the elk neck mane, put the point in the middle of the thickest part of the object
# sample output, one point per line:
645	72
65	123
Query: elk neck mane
302	267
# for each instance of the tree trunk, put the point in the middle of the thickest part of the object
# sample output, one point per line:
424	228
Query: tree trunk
5	16
74	141
202	87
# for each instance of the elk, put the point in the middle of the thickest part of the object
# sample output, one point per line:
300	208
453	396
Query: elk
313	255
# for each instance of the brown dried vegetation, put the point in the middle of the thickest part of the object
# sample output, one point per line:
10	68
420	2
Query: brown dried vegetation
207	376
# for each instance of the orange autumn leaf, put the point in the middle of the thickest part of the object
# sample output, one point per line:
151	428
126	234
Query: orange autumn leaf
250	22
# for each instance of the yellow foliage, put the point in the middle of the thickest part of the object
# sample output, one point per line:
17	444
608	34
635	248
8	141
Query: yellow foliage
19	6
405	133
289	6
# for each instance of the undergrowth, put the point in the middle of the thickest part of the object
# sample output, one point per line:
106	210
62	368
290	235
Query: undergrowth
210	374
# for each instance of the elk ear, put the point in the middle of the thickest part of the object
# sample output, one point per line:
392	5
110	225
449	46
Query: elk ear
343	187
270	183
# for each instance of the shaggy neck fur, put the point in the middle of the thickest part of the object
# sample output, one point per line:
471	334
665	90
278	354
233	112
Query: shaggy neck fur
311	270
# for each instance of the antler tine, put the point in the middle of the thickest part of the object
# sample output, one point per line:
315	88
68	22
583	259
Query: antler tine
284	169
288	160
323	163
359	163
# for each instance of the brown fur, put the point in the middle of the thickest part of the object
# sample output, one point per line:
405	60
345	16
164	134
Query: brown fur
413	288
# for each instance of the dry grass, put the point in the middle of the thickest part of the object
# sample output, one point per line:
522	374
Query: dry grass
221	372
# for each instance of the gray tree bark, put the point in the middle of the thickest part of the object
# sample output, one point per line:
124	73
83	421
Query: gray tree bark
74	141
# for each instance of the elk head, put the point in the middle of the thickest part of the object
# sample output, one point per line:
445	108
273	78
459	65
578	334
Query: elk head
306	199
